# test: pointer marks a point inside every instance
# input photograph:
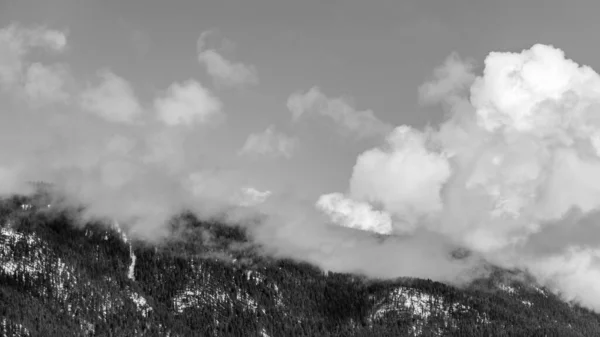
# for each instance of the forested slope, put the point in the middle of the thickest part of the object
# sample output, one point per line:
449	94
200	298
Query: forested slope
59	277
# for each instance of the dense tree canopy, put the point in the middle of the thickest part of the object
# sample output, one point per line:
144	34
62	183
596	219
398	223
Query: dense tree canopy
61	277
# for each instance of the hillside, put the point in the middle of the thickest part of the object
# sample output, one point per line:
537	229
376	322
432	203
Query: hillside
62	278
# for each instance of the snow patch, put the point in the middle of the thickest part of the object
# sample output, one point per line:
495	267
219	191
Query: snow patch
194	296
8	261
423	306
506	288
17	330
541	291
141	303
130	272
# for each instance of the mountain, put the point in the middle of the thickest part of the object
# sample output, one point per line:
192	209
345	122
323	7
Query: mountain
59	277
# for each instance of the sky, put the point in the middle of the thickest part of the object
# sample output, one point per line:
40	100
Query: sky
375	54
441	125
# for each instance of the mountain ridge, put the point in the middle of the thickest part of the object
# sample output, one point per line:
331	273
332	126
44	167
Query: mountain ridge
61	278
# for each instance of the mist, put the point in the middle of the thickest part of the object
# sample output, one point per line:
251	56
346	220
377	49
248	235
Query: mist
517	155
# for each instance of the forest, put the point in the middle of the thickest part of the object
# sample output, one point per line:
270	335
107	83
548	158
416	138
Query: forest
60	276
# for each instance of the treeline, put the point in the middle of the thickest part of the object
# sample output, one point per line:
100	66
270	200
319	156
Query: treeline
208	279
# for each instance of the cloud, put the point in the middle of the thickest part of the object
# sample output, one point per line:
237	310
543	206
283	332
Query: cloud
404	177
112	99
450	80
224	71
293	228
354	214
249	196
505	173
511	175
187	103
141	174
16	43
135	173
47	84
362	124
44	38
269	143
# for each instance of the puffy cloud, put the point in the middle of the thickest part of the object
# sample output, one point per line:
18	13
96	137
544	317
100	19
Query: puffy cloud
515	159
187	103
354	214
112	99
46	84
363	124
222	70
269	142
406	178
518	91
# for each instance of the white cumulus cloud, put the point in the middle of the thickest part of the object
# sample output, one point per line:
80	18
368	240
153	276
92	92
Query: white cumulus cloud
502	174
354	214
405	177
521	136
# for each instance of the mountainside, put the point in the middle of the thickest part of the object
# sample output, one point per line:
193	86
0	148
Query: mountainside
58	278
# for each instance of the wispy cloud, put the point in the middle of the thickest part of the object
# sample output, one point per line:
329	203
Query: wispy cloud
16	43
250	196
222	70
362	124
112	99
46	84
449	81
269	142
187	103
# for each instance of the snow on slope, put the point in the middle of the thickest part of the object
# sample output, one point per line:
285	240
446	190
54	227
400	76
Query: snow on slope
10	329
26	256
421	305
